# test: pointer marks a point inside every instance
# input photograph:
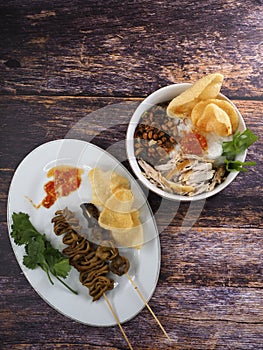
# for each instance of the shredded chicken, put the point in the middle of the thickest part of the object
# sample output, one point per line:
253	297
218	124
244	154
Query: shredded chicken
185	174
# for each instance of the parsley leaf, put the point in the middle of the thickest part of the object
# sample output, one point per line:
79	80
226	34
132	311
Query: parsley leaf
34	249
61	268
59	265
22	229
39	251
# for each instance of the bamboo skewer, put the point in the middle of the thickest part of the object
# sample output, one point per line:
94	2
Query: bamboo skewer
108	301
147	305
117	320
89	216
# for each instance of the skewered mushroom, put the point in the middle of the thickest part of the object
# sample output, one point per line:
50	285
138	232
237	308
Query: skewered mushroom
119	265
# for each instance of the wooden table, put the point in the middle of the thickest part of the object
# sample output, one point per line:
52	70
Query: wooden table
61	61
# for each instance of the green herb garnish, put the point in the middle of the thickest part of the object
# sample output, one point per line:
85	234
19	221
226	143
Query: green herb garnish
237	165
239	143
39	251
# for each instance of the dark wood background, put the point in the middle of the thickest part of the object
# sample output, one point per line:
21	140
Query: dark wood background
62	60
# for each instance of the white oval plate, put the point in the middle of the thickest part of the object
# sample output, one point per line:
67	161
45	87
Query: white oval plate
28	180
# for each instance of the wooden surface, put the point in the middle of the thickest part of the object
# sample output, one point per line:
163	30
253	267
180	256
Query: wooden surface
59	63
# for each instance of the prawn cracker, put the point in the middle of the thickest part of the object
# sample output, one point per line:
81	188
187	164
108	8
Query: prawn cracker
104	183
219	114
205	88
131	238
117	181
120	201
112	192
110	219
215	119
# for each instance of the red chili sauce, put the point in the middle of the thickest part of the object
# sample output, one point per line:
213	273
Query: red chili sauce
66	179
193	143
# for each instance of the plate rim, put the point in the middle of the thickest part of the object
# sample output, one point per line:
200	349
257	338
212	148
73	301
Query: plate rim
24	269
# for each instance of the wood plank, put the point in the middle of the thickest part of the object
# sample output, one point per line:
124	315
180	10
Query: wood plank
218	335
50	118
198	318
212	257
60	64
198	257
56	48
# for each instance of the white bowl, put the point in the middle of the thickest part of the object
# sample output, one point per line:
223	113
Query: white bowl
164	94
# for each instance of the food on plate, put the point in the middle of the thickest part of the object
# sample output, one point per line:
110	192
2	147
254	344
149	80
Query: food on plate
65	180
104	184
39	251
131	237
108	252
113	194
126	228
91	214
110	219
120	201
179	144
120	265
92	261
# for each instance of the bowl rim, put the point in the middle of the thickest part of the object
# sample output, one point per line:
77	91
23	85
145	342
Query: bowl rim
160	96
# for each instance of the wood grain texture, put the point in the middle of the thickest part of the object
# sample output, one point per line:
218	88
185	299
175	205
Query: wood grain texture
210	287
78	69
50	118
198	318
128	49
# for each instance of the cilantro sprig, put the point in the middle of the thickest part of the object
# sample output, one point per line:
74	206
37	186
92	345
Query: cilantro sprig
39	251
239	143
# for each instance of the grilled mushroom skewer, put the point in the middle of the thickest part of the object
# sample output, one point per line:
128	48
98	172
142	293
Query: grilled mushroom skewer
82	254
90	262
119	264
106	250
